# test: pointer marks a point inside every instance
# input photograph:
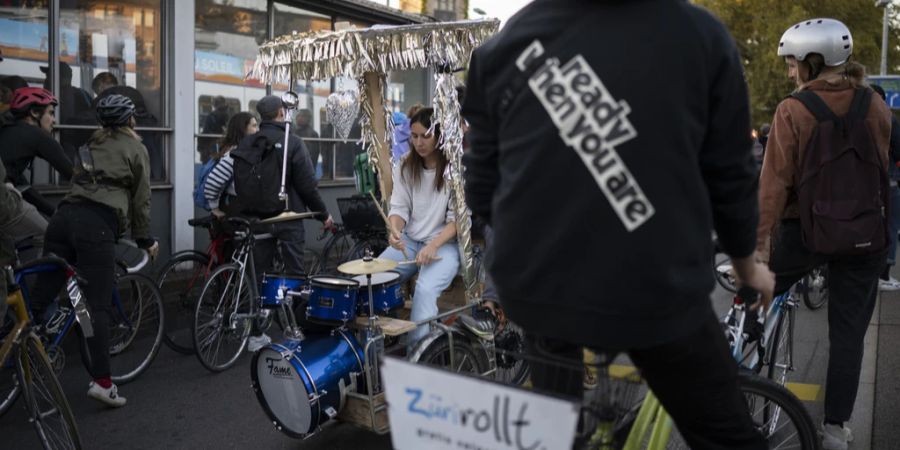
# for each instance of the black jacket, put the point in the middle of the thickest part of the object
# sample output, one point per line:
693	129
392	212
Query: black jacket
603	198
20	143
302	187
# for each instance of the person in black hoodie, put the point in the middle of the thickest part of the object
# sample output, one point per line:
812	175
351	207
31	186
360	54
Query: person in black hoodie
303	194
620	190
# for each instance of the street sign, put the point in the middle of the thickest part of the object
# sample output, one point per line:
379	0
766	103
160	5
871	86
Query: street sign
436	409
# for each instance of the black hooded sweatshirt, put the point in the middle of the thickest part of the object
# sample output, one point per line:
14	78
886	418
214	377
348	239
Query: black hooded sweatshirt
609	139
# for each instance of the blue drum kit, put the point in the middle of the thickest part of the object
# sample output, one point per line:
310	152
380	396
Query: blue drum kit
304	381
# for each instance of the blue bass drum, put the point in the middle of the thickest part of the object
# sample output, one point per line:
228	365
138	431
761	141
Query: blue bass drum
332	299
274	287
303	384
385	289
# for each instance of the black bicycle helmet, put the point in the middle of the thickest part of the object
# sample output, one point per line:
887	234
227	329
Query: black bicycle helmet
114	110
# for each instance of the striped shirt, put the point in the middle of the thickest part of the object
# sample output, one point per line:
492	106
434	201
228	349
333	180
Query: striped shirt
219	181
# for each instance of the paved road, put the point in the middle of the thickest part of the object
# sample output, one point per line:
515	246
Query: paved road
177	404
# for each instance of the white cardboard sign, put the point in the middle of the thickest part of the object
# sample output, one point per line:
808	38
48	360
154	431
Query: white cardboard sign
430	408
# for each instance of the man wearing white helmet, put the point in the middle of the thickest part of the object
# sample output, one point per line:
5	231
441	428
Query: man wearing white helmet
831	96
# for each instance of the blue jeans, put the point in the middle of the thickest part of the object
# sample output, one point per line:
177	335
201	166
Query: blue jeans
433	279
895	223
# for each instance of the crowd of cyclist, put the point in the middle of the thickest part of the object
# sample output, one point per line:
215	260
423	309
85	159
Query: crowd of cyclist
761	217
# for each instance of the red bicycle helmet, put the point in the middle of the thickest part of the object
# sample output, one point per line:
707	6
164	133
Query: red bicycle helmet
28	96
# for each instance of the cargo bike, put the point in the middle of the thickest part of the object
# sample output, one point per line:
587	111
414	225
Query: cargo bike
311	378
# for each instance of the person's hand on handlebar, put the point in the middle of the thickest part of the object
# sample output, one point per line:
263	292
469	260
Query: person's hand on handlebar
755	274
218	213
328	223
150	245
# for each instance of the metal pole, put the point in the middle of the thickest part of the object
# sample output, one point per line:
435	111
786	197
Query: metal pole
884	40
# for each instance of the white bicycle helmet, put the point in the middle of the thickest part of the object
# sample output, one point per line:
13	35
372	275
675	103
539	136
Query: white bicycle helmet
827	37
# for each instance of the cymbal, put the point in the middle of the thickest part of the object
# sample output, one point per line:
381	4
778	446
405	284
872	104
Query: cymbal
363	267
288	215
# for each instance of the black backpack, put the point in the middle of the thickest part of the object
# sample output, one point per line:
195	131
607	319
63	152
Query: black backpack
843	190
257	177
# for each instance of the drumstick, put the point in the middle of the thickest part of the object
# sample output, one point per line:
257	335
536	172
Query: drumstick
386	221
412	261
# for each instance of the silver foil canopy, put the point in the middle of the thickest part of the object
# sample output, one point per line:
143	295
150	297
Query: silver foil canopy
324	54
446	112
359	54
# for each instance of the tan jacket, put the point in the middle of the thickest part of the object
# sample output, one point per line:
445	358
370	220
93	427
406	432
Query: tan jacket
124	183
792	128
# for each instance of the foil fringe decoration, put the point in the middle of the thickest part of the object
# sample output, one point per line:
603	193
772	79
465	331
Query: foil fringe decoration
325	54
447	113
369	135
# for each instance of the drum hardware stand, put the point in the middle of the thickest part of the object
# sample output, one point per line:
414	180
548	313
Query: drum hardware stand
290	100
293	330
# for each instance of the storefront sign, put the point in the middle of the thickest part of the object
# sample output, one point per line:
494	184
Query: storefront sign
436	409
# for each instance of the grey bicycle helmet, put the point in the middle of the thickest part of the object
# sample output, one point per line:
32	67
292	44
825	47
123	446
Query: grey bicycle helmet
827	37
114	110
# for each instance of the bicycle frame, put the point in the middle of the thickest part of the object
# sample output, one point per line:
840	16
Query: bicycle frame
736	320
72	317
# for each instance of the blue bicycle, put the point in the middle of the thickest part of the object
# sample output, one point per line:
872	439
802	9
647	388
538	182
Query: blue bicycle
136	328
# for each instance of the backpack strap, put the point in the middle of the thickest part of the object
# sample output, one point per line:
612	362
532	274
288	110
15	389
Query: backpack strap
815	105
859	107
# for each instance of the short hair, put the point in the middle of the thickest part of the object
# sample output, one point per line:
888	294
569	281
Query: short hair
269	115
103	78
13	82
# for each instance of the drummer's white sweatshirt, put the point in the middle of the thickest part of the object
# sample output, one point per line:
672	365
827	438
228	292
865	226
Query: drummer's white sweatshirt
425	210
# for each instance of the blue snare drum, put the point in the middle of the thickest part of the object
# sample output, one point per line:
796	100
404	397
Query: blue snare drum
303	384
385	289
332	299
274	288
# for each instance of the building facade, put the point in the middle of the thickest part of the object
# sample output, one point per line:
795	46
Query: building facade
183	63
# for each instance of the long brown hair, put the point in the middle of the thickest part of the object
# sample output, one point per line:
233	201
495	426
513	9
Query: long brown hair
853	71
235	131
413	164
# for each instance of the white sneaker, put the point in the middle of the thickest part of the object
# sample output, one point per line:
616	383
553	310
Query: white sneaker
891	284
109	396
254	343
835	437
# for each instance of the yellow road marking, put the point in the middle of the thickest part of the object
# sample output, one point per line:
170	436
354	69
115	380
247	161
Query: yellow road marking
805	392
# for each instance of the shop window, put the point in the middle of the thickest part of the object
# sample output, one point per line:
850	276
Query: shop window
24	41
112	47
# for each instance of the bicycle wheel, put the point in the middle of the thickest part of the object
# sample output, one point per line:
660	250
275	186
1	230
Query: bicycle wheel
778	414
815	288
135	328
465	356
780	357
336	252
181	280
724	274
510	343
219	333
48	408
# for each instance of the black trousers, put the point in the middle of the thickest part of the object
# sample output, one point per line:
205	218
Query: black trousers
852	291
81	236
694	377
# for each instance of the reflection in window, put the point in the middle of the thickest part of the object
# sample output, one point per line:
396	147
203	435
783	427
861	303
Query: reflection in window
227	38
110	47
24	40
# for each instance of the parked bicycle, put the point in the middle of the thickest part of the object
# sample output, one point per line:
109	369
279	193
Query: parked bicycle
22	353
136	324
182	279
230	301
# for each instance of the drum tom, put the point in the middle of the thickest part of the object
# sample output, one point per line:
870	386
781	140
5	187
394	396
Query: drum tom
385	289
303	384
332	299
274	288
